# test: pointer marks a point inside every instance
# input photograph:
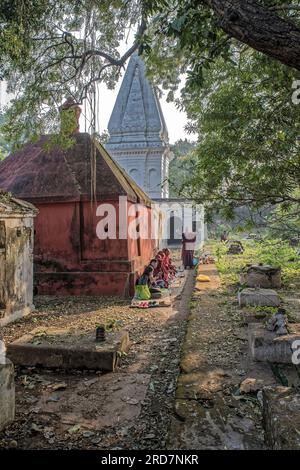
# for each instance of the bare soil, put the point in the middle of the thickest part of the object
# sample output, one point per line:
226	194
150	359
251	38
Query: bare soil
129	409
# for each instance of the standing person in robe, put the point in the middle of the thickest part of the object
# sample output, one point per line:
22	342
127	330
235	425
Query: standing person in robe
224	237
188	248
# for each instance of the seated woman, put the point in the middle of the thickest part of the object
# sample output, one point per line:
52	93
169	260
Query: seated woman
161	273
148	279
172	270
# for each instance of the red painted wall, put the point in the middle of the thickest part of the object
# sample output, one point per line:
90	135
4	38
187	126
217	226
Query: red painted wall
71	260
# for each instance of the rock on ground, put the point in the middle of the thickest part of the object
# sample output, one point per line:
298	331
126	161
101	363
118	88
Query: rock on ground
281	407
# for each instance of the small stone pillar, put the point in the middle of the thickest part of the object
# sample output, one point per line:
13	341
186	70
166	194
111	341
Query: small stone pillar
235	248
7	388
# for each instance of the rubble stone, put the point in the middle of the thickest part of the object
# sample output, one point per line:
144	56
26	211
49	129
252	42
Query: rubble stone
281	418
7	393
251	385
264	276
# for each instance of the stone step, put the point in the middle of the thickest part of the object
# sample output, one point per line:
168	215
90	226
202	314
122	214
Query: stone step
66	349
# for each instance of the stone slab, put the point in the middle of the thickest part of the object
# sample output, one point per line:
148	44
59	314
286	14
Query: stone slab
68	349
281	418
254	316
113	400
266	346
258	298
216	427
7	393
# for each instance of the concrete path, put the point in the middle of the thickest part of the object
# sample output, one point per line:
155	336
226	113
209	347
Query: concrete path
208	413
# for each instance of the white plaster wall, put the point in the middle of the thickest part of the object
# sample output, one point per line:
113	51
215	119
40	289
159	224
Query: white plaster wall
144	161
177	207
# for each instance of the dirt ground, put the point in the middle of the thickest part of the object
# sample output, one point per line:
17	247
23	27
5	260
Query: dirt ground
210	412
214	409
128	409
179	387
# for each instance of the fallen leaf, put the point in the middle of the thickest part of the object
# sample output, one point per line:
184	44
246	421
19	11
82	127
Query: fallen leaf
74	429
36	428
59	386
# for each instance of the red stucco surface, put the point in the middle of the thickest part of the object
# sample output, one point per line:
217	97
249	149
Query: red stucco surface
69	258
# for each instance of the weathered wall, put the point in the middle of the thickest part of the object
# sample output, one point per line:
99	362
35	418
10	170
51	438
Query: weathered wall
143	249
70	259
16	269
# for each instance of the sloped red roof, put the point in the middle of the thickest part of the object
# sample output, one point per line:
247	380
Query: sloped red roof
40	174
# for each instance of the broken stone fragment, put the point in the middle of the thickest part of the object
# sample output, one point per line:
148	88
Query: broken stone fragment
278	323
235	248
281	418
251	385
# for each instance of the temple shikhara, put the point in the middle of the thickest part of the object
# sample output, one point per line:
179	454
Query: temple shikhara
139	142
139	139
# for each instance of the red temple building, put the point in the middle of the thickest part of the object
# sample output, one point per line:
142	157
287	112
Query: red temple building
67	186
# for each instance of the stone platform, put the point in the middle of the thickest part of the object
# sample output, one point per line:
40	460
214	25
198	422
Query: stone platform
281	418
266	346
7	393
67	349
258	298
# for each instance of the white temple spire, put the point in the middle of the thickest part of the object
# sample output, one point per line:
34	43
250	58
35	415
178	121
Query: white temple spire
138	133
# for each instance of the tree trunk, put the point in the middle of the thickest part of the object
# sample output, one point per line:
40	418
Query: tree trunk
260	28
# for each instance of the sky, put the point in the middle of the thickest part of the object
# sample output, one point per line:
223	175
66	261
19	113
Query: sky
175	119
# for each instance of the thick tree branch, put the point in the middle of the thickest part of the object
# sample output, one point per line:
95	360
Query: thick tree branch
285	7
260	28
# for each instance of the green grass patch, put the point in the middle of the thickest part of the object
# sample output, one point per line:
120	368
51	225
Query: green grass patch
273	252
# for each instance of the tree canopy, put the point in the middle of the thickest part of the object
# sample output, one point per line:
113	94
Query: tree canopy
248	148
58	48
240	59
178	166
